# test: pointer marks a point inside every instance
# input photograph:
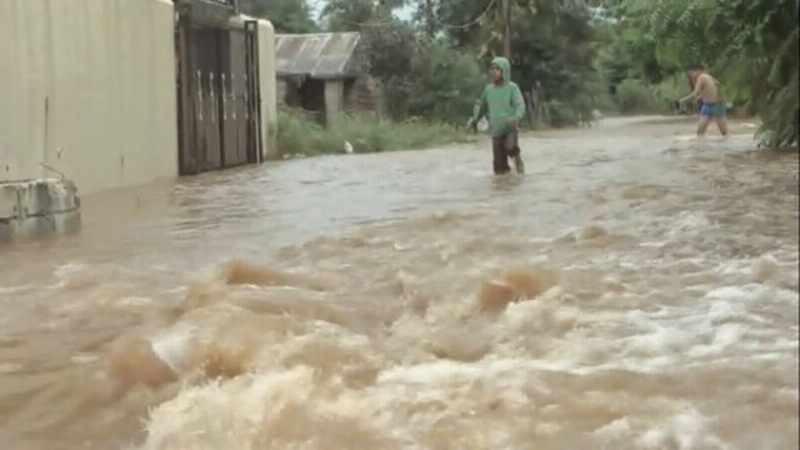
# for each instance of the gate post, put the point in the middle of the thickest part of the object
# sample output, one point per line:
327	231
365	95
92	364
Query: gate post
187	161
254	86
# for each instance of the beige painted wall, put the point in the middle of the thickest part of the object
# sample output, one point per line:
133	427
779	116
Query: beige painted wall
88	87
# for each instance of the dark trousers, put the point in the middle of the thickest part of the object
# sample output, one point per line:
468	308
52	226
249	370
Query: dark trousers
504	147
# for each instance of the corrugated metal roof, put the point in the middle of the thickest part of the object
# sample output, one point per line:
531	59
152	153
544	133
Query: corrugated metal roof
323	55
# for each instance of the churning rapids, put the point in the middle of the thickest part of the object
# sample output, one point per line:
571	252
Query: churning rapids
636	290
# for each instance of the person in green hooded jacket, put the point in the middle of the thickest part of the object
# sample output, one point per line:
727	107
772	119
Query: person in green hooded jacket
502	102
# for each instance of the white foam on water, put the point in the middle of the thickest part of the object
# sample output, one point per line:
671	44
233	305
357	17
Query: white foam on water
134	302
663	341
440	366
174	344
753	295
727	321
688	430
446	371
225	416
539	240
7	291
615	431
738	267
737	294
85	358
724	337
685	138
724	311
7	368
653	244
68	269
728	335
689	223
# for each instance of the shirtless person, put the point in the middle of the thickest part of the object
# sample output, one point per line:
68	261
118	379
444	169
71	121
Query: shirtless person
707	88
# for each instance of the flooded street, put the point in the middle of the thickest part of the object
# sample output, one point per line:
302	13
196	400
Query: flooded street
635	290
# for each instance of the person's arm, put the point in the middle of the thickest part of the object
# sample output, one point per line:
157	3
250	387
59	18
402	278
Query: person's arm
478	111
518	103
698	87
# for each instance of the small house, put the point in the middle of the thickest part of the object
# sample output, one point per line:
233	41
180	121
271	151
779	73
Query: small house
324	73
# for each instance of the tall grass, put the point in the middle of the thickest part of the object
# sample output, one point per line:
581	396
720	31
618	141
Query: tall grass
299	134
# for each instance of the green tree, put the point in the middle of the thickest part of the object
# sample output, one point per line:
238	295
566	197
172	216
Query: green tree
444	51
462	18
420	76
288	16
349	15
552	42
750	45
353	15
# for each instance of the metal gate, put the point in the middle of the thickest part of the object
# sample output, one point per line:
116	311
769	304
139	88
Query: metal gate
219	112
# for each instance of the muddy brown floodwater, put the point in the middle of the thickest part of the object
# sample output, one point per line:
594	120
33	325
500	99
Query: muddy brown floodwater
635	290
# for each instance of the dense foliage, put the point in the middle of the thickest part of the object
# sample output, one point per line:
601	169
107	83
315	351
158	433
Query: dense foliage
432	64
288	16
750	45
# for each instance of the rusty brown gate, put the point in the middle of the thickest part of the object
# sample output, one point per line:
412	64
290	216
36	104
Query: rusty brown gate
219	112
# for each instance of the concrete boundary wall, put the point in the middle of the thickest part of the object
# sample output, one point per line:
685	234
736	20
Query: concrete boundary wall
87	87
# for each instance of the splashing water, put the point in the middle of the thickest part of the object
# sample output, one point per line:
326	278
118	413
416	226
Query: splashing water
633	291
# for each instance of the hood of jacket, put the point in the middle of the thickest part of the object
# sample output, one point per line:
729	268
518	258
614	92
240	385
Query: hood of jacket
505	67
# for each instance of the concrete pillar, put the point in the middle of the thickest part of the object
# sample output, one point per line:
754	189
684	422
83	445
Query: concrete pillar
269	95
33	208
334	100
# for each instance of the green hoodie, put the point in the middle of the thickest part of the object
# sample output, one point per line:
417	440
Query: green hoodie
503	103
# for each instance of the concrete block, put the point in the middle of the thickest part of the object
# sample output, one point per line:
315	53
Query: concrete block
49	196
8	201
34	208
36	226
5	231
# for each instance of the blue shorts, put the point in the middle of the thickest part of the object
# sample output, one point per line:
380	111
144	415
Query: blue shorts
713	110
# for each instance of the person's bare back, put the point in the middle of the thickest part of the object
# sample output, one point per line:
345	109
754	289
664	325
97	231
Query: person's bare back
705	86
708	88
